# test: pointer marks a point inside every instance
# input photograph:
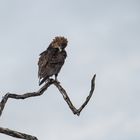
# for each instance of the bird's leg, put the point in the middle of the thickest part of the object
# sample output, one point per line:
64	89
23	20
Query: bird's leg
56	78
47	80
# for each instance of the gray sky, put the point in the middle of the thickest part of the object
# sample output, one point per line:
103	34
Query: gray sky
104	38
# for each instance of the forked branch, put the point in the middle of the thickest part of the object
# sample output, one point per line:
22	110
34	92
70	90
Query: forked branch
38	93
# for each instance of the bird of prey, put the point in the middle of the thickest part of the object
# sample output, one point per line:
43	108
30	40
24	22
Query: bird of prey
52	59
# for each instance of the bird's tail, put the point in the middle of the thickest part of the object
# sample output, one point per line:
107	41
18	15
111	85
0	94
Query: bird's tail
43	80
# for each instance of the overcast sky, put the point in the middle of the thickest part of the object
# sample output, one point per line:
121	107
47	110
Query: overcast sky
104	38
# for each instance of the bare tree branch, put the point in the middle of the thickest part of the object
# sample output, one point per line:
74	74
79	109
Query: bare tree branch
67	99
24	96
38	93
17	134
88	97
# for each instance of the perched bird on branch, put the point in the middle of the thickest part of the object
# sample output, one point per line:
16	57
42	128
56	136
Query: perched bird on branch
52	59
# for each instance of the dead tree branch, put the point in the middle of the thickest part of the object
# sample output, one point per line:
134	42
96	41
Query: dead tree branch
24	96
38	93
67	99
17	134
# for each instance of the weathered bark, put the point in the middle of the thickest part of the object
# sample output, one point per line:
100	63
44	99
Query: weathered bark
38	93
17	134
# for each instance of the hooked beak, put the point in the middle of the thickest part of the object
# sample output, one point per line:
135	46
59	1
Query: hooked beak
60	49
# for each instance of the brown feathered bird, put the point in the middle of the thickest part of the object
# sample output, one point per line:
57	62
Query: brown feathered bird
52	59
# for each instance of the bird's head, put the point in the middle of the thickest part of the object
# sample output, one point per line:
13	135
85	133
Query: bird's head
59	42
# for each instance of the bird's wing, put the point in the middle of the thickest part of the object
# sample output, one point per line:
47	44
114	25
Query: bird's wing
44	59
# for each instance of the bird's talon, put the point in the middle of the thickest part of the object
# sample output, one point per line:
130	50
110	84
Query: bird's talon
57	81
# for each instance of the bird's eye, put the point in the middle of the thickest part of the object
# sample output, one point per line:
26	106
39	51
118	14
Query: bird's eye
64	44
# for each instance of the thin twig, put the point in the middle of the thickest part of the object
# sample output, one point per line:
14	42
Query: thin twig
88	97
